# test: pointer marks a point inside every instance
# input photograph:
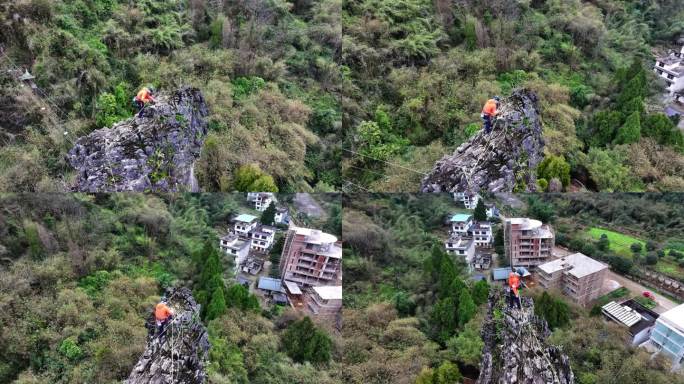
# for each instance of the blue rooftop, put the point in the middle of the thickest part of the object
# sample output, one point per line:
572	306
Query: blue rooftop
246	218
501	273
460	217
270	284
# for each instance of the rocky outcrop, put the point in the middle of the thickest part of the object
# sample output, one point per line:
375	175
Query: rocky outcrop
498	162
179	354
155	152
515	350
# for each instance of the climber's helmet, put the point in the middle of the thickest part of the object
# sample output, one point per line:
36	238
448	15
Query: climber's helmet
497	98
164	299
152	90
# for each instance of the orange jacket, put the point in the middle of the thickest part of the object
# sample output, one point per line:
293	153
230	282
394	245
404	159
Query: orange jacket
162	312
490	107
513	280
144	96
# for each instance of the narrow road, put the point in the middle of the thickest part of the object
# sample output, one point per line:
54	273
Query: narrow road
664	304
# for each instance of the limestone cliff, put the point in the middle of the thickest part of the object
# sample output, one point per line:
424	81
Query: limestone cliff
179	355
155	152
515	349
509	155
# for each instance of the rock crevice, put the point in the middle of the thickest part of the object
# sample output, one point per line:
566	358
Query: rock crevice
155	152
179	354
515	350
499	162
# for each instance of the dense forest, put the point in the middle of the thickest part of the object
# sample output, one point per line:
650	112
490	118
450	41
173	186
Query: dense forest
412	314
267	68
420	71
79	275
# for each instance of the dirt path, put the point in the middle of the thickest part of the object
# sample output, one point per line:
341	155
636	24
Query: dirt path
664	303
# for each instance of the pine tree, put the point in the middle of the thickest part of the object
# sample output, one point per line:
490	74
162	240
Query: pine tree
466	308
217	305
268	216
302	341
480	213
480	292
630	132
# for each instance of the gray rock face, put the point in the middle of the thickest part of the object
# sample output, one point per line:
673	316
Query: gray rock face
495	162
155	152
515	351
179	355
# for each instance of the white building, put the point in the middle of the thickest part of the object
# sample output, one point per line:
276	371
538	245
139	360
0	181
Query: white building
463	246
468	199
668	334
671	69
282	216
262	237
236	247
637	319
492	210
244	224
461	223
482	234
263	200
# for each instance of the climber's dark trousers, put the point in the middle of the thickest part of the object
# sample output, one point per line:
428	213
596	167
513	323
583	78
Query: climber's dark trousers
160	327
140	105
487	123
514	300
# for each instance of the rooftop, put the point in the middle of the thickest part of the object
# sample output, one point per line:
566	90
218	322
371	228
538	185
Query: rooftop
315	236
460	217
245	218
461	241
630	314
270	284
525	223
329	292
293	288
674	317
501	273
482	225
576	264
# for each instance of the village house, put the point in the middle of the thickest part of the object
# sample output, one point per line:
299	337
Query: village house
492	211
463	246
527	242
262	237
671	69
282	216
311	258
468	199
637	319
244	224
578	276
460	223
261	200
235	247
482	234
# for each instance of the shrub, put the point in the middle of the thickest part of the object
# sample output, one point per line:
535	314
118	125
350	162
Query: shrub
70	349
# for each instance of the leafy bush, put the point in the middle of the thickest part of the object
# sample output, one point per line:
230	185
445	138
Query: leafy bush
303	342
250	178
245	86
70	349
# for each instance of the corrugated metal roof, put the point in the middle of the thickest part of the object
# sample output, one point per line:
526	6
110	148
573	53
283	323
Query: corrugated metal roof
500	273
623	314
270	284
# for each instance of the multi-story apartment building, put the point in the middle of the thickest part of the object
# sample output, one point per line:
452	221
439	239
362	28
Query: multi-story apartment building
527	242
671	69
468	199
579	277
244	224
261	200
311	258
325	301
461	223
235	247
668	334
482	234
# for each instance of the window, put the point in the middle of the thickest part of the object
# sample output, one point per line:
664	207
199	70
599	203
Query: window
670	77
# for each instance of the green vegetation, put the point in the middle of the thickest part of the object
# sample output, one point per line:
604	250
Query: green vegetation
418	73
268	70
619	243
77	288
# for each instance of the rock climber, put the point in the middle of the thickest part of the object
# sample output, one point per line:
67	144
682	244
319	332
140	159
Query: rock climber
490	110
143	97
162	314
514	295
